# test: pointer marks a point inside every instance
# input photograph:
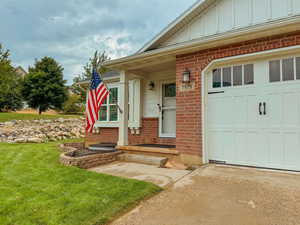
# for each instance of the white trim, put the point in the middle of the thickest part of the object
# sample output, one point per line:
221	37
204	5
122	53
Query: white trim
111	124
216	63
173	24
189	46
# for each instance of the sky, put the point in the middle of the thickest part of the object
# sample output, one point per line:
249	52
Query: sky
71	30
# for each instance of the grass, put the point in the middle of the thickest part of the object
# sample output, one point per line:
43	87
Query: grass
20	116
36	190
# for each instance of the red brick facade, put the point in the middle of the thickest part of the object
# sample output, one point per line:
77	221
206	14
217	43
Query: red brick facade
188	113
149	134
189	130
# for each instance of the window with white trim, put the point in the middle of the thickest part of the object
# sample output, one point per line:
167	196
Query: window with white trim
109	109
233	76
287	69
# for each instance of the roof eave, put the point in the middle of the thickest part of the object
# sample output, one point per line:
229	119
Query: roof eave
259	30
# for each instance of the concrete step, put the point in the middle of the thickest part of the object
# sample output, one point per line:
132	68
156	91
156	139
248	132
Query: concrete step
144	159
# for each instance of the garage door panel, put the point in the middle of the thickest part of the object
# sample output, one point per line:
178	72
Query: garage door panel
228	145
290	110
239	112
240	146
291	149
276	149
215	143
252	112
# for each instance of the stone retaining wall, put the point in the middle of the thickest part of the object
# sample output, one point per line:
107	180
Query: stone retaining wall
84	162
89	161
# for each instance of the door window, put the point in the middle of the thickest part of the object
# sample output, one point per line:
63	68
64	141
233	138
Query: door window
168	110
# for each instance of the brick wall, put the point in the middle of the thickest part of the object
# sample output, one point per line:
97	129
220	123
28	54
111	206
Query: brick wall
148	135
189	131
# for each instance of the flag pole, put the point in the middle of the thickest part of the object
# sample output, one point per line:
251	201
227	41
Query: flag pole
119	108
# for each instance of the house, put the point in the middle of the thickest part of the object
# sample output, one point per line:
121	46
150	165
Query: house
221	83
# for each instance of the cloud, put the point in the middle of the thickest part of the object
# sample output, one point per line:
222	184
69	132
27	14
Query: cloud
70	31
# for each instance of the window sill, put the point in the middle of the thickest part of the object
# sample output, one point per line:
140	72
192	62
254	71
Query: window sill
116	124
107	124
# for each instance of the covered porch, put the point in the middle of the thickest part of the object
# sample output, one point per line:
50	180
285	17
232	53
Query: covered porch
147	118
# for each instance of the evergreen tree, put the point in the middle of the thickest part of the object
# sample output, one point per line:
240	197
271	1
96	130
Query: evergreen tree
10	84
44	87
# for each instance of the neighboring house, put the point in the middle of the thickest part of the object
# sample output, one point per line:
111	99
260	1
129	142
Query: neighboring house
20	71
222	83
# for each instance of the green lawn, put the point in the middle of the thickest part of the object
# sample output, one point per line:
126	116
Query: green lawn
19	116
36	190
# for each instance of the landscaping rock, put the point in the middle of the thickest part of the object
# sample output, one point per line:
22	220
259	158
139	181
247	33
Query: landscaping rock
39	131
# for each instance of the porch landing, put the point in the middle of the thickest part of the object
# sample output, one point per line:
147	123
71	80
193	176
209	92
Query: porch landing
150	148
160	176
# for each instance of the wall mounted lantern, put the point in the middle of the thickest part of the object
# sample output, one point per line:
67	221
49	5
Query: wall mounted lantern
151	86
186	76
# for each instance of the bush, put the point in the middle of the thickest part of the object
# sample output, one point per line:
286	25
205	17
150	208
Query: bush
73	105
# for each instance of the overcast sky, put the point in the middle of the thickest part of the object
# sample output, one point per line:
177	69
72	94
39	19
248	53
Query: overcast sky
71	30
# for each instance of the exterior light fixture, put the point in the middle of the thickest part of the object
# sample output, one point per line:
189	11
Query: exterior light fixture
151	86
186	76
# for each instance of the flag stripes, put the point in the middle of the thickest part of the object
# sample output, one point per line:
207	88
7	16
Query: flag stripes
96	96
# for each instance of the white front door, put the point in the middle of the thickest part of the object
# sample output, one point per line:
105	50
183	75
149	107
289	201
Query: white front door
167	120
253	114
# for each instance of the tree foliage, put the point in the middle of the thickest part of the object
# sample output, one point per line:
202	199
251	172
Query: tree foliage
44	87
10	84
96	61
73	105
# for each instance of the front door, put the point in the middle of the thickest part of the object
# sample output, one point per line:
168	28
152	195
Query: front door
167	125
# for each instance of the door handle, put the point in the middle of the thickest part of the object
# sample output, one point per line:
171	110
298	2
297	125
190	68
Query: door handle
259	108
265	108
159	107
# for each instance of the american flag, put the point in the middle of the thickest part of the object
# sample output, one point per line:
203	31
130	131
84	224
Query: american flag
96	96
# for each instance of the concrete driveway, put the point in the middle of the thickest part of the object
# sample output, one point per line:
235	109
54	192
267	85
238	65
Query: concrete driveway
220	195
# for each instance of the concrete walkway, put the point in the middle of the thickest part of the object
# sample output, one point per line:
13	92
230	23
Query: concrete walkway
219	195
160	176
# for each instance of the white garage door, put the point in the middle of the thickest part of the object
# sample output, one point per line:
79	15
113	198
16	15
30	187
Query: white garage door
253	114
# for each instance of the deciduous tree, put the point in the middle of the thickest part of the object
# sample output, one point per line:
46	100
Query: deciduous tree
10	84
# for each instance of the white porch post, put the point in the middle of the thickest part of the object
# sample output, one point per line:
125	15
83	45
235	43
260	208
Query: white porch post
123	127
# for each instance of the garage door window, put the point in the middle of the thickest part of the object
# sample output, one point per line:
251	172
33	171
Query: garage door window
233	76
274	67
227	77
217	78
249	74
298	68
284	70
237	75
